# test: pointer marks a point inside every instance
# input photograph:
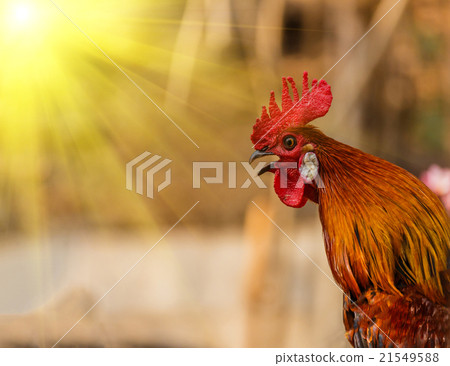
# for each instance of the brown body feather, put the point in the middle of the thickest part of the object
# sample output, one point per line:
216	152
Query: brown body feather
387	240
406	320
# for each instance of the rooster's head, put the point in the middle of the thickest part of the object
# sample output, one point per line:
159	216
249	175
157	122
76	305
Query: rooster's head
279	132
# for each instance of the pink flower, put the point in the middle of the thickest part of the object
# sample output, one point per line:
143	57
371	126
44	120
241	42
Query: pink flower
438	180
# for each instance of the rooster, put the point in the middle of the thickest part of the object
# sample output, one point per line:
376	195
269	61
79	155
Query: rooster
387	236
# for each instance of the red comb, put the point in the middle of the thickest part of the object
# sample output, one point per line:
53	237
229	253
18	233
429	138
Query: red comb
294	113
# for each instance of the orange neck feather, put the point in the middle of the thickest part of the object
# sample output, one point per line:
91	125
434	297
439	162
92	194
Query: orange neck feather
383	228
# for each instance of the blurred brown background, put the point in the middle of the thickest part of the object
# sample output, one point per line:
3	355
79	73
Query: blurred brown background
225	276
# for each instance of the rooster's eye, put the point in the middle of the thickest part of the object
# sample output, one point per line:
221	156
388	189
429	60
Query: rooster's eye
289	142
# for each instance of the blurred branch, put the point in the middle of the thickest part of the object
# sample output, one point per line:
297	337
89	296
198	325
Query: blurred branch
361	65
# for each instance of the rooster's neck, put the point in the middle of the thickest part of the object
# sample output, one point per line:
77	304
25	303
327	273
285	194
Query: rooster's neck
383	228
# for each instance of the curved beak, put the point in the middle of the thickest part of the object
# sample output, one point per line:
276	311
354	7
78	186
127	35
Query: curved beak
259	154
269	167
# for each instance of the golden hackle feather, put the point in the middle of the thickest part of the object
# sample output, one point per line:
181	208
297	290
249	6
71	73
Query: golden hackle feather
383	228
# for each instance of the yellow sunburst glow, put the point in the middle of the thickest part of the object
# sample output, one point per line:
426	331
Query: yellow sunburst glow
59	134
70	120
21	14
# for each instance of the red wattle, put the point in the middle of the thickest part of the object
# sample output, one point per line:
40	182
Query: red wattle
291	189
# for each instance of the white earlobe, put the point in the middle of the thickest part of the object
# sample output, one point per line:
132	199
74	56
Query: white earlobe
309	170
